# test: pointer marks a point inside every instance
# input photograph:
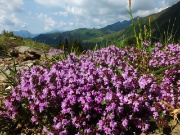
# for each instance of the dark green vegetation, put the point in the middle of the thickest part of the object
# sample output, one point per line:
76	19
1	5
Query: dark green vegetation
169	24
165	28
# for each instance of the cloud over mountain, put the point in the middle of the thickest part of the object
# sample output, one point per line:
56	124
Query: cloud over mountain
43	15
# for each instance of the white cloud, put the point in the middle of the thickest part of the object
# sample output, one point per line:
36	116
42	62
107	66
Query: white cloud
143	5
98	13
61	13
62	24
102	7
103	12
8	11
84	7
49	22
18	23
171	2
12	5
71	23
96	20
5	21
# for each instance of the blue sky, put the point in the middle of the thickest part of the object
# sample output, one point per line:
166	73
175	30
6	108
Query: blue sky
38	16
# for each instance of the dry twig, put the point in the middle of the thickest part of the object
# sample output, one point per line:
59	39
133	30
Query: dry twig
172	112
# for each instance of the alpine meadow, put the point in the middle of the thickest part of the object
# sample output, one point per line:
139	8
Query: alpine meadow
121	79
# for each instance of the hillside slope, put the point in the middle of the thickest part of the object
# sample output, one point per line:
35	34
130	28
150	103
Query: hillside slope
169	23
8	40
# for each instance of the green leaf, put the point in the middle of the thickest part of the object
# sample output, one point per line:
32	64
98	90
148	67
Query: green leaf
24	105
152	120
161	115
139	91
119	71
165	68
140	36
103	102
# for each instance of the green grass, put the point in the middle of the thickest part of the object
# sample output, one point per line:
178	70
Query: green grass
8	40
85	34
34	44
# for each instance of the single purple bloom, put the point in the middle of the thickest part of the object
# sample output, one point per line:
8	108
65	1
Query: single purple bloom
125	123
33	119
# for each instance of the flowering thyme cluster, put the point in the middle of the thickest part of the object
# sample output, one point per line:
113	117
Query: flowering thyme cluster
100	92
56	51
165	57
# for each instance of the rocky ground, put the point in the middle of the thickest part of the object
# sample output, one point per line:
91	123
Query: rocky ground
22	56
167	131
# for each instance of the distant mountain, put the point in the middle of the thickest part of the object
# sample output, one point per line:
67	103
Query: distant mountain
24	34
78	34
49	39
52	31
117	26
83	34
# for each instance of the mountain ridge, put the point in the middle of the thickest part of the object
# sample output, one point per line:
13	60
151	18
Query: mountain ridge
81	33
24	34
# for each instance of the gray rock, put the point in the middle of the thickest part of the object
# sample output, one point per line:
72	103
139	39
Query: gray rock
49	56
24	53
21	49
22	56
2	78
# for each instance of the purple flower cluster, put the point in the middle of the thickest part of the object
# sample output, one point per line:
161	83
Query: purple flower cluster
100	92
56	51
146	43
165	57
